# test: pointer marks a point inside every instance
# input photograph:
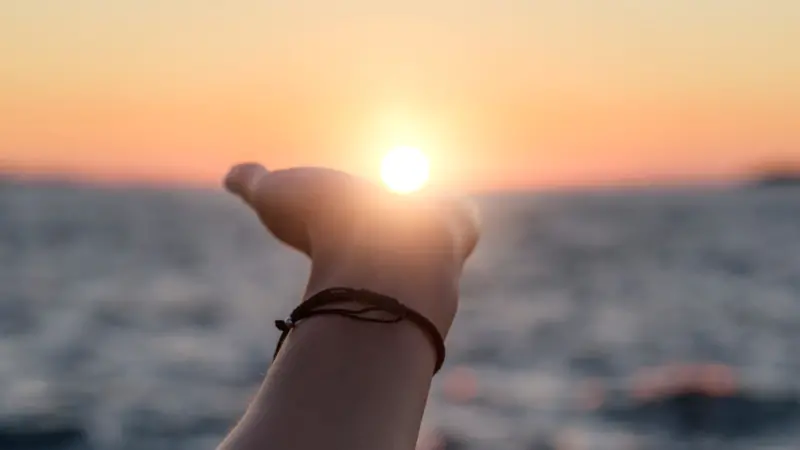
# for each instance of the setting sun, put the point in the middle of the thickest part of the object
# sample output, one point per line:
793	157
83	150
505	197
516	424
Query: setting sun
405	169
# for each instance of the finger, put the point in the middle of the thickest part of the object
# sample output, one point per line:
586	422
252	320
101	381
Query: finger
465	220
462	218
459	216
243	179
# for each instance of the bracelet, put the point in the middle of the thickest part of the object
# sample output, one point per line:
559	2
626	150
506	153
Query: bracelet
319	304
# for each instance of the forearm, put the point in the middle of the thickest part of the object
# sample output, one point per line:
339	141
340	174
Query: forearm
342	384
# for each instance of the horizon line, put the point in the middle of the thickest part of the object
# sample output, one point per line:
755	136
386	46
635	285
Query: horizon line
111	180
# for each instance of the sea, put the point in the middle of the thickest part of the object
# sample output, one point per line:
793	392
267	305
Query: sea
140	318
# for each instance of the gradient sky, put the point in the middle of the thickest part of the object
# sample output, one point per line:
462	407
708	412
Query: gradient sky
500	94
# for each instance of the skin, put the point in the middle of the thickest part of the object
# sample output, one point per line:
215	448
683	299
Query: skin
339	383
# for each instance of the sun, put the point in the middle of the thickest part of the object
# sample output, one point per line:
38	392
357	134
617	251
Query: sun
405	169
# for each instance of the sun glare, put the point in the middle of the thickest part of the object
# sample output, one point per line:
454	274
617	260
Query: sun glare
405	169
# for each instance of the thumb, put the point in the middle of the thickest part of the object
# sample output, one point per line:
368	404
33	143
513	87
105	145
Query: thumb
269	197
242	180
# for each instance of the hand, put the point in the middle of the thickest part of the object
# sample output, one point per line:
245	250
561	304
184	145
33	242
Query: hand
359	235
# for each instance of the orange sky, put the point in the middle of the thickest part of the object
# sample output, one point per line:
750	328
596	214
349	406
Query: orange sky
502	94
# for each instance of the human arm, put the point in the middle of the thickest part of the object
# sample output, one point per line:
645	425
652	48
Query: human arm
338	383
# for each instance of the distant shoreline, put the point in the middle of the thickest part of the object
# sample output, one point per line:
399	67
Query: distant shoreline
777	179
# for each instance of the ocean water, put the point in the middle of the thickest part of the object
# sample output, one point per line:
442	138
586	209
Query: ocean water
141	319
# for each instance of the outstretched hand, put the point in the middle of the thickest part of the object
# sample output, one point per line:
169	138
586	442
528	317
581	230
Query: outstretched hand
359	235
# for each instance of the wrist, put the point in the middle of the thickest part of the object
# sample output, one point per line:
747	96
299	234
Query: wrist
432	293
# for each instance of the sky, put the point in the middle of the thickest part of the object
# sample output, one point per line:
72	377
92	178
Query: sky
507	94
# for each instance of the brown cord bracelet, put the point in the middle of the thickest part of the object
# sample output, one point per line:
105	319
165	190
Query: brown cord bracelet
319	304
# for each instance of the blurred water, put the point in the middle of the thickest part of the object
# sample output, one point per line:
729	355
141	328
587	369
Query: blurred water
141	319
